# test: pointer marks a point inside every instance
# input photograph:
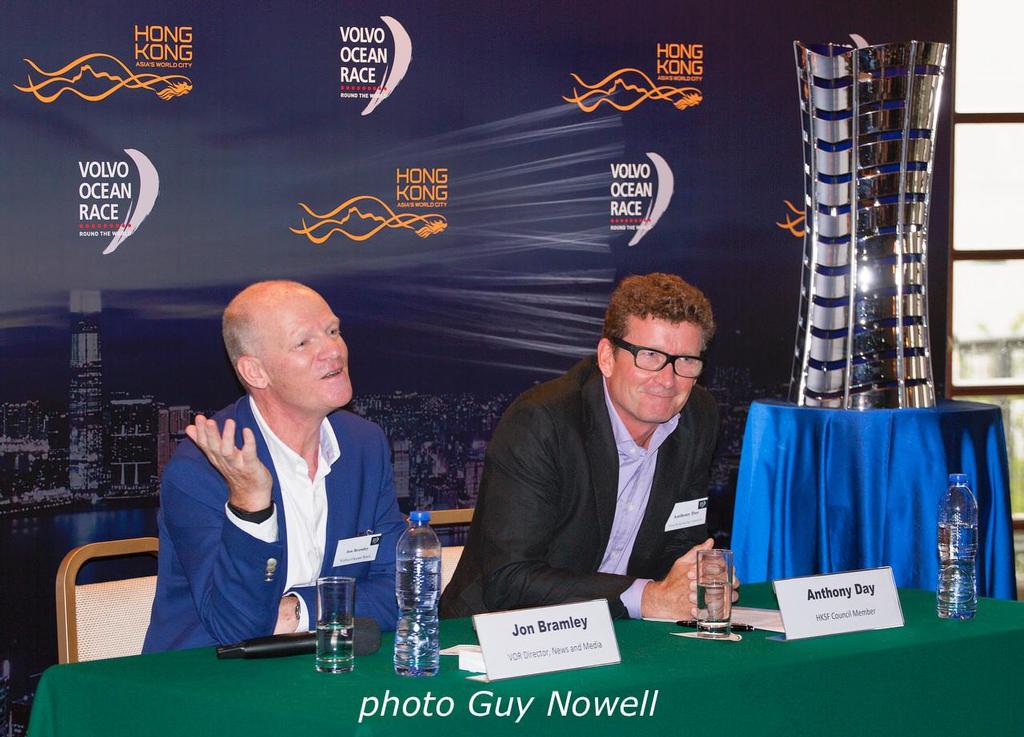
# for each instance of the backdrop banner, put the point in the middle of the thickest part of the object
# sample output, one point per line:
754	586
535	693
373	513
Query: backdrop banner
464	182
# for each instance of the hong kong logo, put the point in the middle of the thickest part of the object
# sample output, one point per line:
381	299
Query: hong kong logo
362	217
95	77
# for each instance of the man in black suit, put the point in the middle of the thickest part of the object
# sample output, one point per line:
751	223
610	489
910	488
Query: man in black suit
595	483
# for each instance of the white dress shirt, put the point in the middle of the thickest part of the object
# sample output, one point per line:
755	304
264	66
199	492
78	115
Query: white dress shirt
305	507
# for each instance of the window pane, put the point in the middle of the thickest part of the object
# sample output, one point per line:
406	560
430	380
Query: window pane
1013	424
988	322
988	186
987	56
1018	547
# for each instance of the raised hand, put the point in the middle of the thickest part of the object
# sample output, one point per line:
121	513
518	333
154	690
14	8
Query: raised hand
249	481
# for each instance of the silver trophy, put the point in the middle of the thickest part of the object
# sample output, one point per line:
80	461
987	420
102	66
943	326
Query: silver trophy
869	117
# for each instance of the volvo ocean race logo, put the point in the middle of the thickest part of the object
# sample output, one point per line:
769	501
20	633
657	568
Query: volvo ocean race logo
369	69
640	195
113	203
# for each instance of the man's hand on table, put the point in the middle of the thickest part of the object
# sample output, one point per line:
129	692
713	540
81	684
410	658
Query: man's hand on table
287	615
675	596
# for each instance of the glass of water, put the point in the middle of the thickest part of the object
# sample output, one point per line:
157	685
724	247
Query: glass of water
334	624
714	593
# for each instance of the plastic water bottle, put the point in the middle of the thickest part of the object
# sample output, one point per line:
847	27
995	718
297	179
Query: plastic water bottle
418	588
956	596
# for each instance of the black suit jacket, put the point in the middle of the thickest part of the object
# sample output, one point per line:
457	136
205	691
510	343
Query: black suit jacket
547	500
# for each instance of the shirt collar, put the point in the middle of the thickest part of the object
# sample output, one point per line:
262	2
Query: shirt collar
624	442
329	449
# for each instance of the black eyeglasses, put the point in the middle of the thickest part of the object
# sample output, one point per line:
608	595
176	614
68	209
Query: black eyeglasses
651	359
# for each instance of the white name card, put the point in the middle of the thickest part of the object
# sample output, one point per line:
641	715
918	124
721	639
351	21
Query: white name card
523	642
362	549
812	606
687	514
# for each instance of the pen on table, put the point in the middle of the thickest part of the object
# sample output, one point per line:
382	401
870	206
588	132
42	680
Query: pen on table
735	625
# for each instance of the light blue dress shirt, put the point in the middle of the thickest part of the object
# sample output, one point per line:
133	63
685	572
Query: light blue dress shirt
636	473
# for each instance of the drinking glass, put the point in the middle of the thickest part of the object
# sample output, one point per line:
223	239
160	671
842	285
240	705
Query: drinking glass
334	624
714	593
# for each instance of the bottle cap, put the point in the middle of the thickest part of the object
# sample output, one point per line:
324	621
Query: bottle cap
958	478
419	516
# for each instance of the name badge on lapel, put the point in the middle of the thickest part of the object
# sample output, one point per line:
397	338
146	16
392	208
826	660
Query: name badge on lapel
687	514
362	549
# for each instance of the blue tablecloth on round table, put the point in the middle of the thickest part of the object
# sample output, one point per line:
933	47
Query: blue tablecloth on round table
823	490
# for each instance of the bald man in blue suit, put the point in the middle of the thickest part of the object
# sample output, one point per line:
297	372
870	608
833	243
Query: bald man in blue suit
276	489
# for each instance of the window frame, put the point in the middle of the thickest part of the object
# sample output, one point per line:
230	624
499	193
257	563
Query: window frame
952	390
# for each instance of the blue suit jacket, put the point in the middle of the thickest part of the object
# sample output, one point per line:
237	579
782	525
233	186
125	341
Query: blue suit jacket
215	584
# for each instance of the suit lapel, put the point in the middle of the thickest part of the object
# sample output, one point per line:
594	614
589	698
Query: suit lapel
245	418
601	454
671	469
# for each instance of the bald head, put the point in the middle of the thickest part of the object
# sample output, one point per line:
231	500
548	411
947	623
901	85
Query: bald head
240	325
286	348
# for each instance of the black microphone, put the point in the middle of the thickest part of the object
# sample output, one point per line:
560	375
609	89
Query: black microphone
365	641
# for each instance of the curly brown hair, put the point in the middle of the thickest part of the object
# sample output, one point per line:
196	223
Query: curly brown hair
662	296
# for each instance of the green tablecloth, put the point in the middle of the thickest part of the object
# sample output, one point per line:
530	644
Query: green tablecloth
929	677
